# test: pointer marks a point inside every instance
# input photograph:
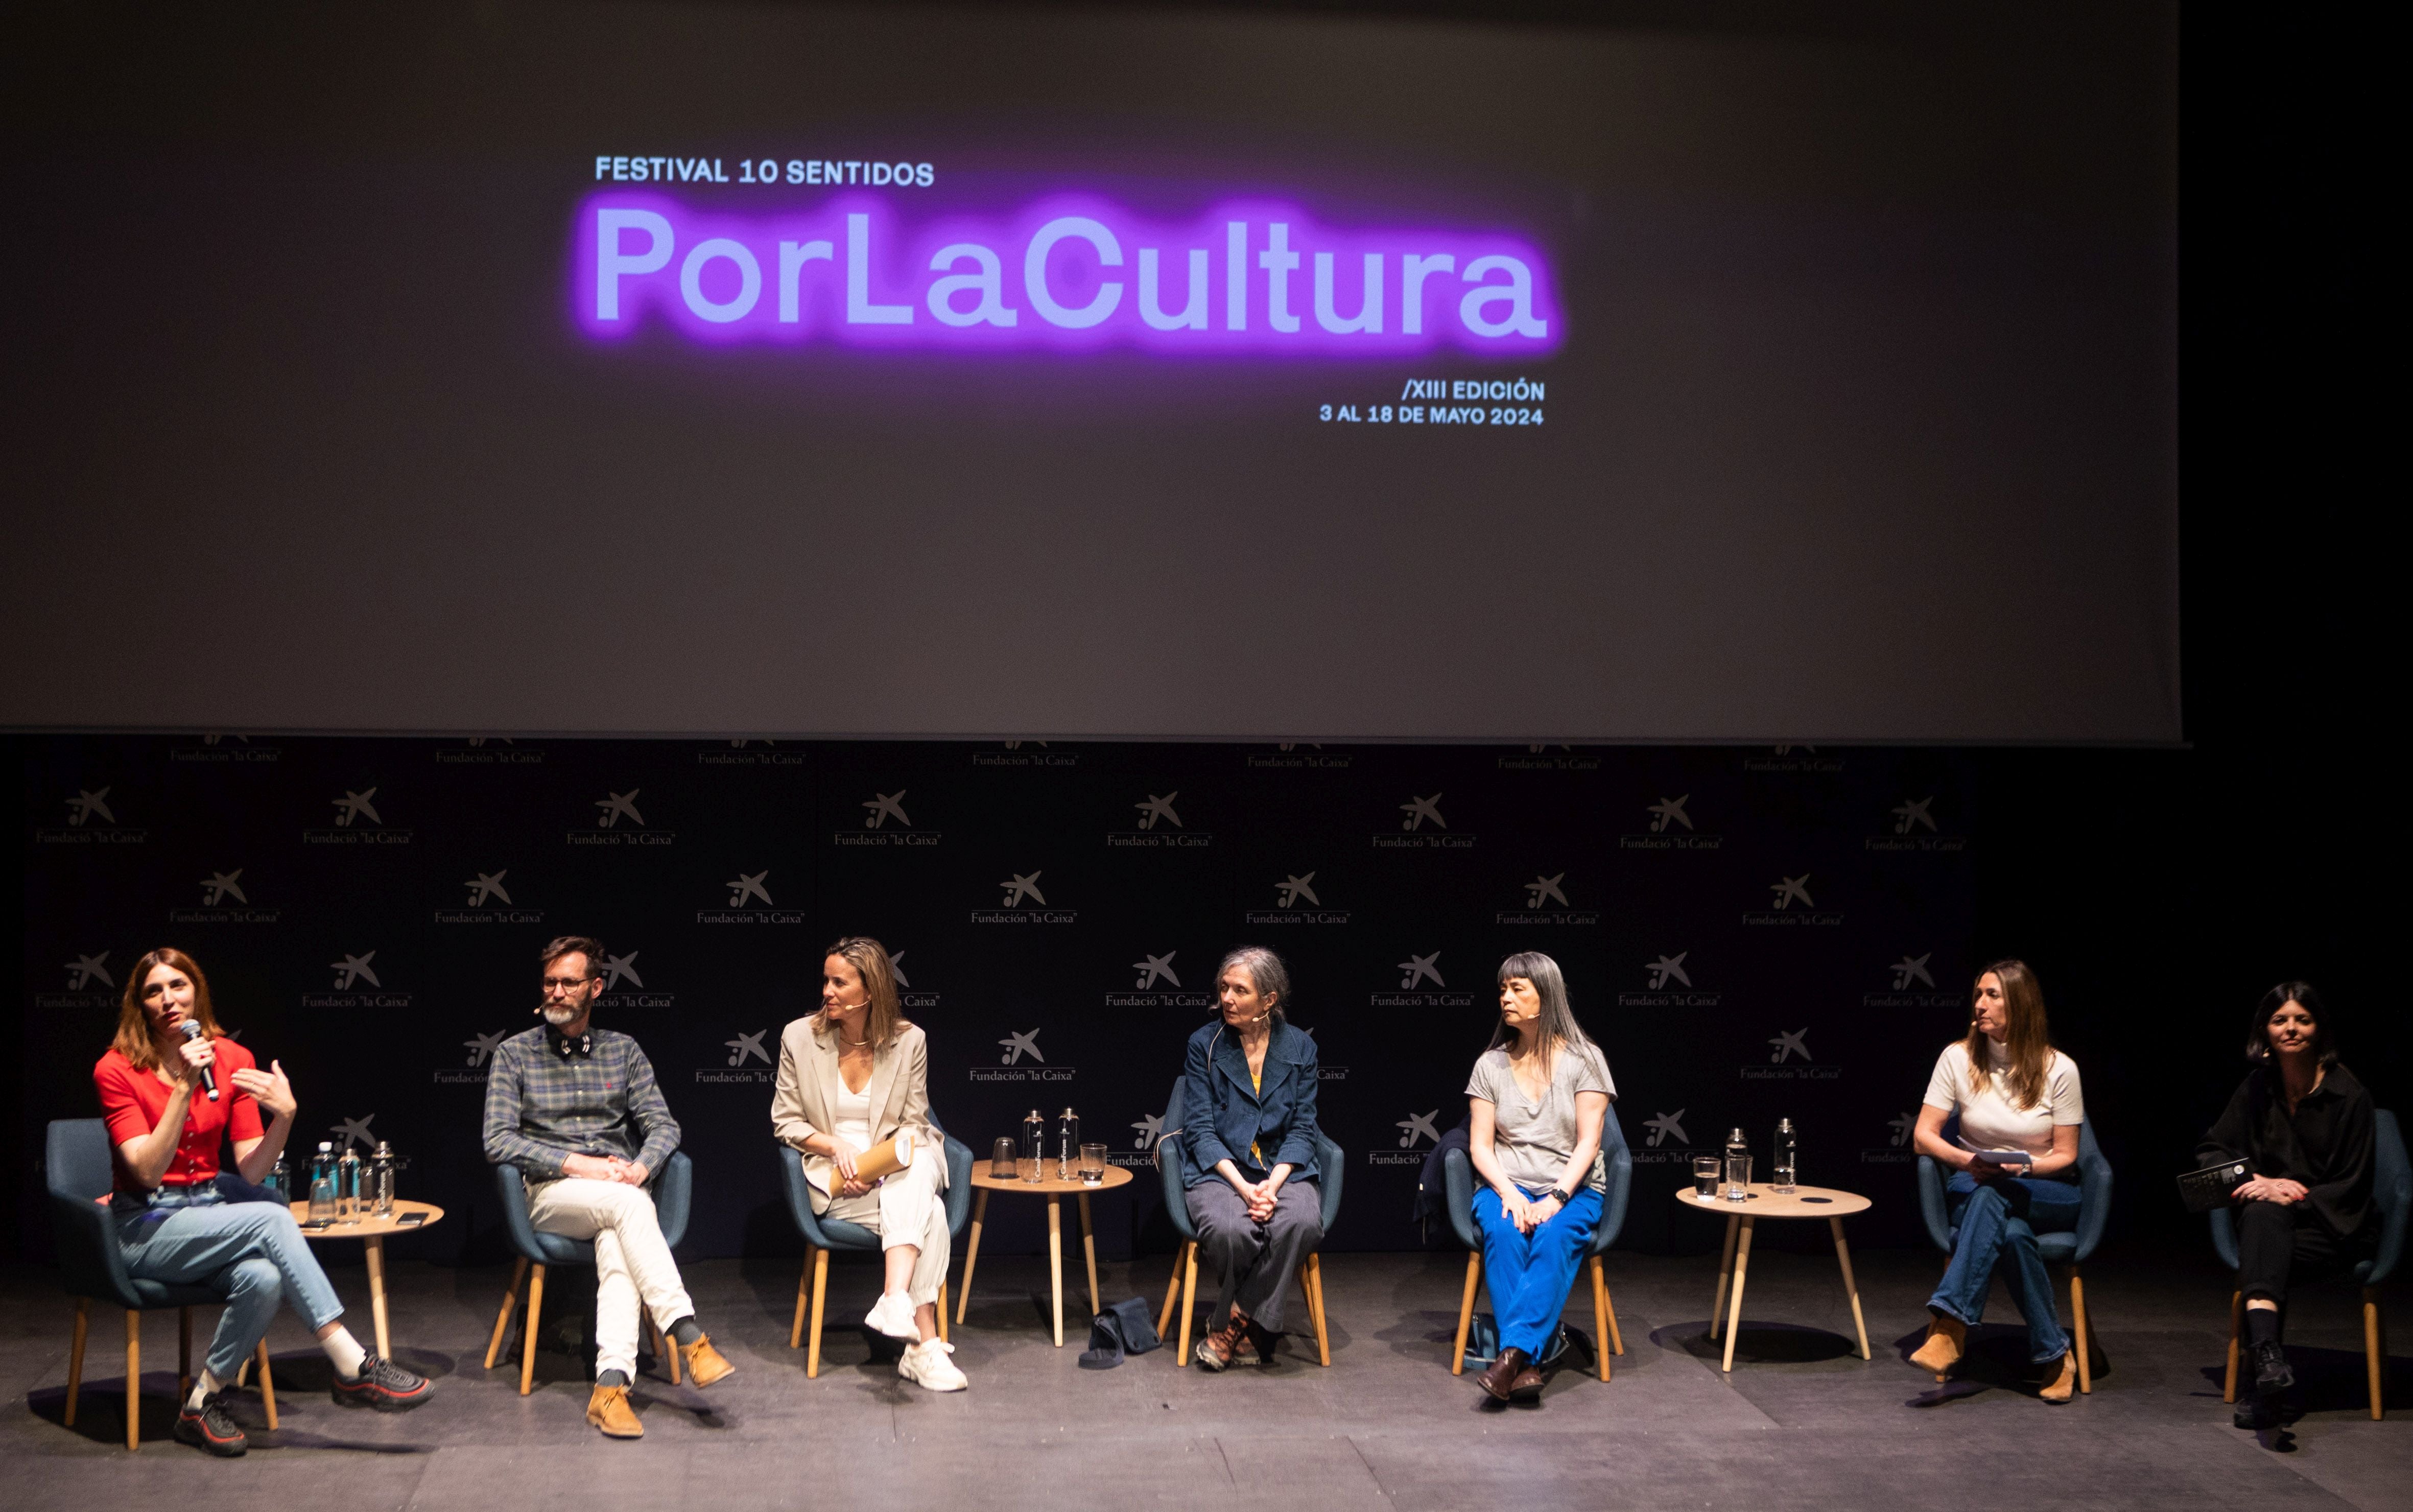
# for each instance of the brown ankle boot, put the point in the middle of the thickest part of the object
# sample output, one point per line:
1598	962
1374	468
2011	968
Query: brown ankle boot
1946	1339
704	1364
608	1409
1216	1350
1499	1378
2058	1392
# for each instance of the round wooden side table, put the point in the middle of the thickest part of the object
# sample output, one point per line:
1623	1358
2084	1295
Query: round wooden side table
372	1234
1733	1260
1054	1190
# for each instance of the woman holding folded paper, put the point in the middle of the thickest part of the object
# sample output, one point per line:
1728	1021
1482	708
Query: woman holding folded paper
2020	1109
855	1098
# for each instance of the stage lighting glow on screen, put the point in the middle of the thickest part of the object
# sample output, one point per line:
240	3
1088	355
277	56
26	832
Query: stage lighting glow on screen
1067	272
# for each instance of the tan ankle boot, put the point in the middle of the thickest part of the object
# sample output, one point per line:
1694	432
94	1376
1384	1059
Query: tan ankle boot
2064	1384
1946	1339
704	1364
608	1409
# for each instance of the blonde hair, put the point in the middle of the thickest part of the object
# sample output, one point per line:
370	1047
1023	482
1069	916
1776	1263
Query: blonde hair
884	1019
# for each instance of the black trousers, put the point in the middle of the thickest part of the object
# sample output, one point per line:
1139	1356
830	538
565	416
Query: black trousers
2275	1240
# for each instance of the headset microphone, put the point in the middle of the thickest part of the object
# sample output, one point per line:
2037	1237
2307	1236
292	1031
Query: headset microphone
209	1079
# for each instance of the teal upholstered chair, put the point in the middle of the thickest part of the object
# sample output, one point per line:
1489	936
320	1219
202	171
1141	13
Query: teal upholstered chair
1182	1290
2391	1192
2067	1247
76	1164
673	1189
823	1234
1457	1178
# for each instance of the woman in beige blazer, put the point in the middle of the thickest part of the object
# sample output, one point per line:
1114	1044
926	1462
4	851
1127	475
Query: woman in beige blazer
852	1077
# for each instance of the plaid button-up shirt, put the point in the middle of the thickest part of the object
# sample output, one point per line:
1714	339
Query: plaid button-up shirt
541	1105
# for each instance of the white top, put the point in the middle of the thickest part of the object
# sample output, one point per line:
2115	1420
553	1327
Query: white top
854	1110
1988	1119
1533	1141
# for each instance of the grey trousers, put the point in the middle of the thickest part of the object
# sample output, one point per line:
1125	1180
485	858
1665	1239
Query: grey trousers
1254	1260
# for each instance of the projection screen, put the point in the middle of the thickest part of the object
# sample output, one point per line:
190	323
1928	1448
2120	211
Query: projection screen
777	370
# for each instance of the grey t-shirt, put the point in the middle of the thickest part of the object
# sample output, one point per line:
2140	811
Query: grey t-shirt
1534	1140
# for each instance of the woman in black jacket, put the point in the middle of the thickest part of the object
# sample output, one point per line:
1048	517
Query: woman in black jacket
2306	1126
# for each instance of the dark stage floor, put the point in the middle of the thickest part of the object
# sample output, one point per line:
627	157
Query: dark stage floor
1802	1422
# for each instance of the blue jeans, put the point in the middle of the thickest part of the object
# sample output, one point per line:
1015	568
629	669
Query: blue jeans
1999	1223
249	1252
1531	1274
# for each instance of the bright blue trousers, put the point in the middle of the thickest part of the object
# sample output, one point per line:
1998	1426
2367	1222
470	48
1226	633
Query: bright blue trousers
1531	1274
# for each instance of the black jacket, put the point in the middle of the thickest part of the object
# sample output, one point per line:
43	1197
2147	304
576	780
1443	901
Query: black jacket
2328	1144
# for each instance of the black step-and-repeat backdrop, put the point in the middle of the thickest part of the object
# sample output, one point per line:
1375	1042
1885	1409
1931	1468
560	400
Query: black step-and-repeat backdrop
1752	934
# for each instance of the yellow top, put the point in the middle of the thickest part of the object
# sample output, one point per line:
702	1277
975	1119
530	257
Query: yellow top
1256	1083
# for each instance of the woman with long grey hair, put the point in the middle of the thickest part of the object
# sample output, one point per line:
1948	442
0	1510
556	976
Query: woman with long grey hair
1539	1100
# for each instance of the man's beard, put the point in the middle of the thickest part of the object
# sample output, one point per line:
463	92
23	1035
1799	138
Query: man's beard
557	1015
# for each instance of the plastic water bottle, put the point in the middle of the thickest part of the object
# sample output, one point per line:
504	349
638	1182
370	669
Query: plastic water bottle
1780	1177
322	1183
280	1179
348	1187
380	1193
1068	1143
1737	1168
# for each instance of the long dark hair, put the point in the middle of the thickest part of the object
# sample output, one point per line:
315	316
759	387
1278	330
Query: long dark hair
2257	1035
1556	1028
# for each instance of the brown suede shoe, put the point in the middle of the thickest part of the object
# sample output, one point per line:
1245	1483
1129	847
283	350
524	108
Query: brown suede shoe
2059	1391
1946	1339
704	1364
608	1409
1500	1378
1527	1387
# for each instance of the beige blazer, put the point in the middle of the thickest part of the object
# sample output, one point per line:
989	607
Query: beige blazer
803	1105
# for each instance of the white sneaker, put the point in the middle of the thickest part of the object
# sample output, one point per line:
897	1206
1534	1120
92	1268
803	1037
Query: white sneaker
927	1364
893	1315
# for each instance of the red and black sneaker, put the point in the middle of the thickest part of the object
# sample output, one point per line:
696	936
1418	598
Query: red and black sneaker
384	1385
208	1426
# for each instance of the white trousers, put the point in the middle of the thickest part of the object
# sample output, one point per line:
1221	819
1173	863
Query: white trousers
906	1208
631	1259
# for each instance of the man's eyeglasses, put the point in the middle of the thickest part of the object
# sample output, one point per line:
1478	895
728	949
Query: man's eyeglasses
565	985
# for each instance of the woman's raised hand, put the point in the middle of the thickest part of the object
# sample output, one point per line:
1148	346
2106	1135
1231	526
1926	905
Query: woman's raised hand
193	1055
269	1088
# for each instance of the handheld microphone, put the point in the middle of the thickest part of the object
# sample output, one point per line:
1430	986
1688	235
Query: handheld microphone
208	1078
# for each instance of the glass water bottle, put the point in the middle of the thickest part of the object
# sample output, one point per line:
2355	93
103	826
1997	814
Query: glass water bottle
380	1193
1034	1144
322	1183
1068	1145
1737	1168
1781	1170
348	1187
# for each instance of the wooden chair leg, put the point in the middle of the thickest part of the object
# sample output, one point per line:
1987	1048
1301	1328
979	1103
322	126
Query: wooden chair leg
1466	1313
1600	1313
943	1310
1189	1299
2373	1359
2236	1327
803	1291
503	1318
821	1292
133	1380
1313	1270
267	1387
666	1347
2085	1343
528	1328
183	1352
75	1357
1172	1290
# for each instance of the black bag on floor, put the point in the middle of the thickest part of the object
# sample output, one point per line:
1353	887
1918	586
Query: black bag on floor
1124	1328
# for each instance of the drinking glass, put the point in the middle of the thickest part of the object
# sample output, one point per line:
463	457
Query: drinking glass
1705	1169
1093	1165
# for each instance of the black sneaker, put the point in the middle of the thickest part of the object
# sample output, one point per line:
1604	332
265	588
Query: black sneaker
384	1385
2272	1375
208	1426
2252	1414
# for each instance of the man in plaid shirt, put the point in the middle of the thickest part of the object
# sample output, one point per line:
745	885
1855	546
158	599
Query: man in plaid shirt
576	1108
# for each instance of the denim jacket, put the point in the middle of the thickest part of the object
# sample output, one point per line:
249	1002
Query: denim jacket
1222	1114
